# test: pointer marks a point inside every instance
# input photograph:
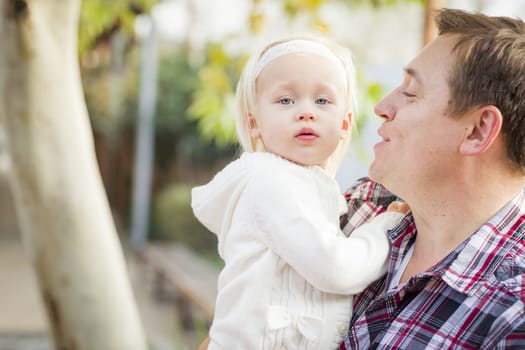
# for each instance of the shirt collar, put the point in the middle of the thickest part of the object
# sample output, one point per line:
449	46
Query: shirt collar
473	261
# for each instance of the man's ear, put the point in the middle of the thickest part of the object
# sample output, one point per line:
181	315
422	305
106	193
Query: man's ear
484	128
252	126
345	127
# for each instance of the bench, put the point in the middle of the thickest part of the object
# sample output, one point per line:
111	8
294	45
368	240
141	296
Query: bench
193	279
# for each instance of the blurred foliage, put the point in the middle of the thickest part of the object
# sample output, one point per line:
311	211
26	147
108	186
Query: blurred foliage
111	92
294	7
213	103
178	79
108	59
379	3
98	18
176	134
173	219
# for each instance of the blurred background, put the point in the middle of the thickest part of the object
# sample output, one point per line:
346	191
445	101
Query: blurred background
159	80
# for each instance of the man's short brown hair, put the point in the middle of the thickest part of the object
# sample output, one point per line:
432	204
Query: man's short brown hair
489	70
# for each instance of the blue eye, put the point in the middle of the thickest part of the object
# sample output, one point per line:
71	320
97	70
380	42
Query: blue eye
285	101
322	101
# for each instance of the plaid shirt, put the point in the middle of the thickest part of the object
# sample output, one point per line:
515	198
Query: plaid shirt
472	299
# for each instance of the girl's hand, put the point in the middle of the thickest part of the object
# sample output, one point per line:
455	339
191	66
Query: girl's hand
398	206
204	344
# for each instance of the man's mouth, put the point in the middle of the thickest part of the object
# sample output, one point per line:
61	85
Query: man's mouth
384	138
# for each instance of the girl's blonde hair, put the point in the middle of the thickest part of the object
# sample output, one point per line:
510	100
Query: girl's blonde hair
246	94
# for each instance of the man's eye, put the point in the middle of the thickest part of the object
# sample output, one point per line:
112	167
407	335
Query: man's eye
322	101
285	101
408	95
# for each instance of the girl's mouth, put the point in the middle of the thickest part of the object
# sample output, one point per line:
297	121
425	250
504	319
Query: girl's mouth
306	134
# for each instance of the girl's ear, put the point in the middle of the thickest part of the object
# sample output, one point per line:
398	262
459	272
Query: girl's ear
484	128
345	127
252	126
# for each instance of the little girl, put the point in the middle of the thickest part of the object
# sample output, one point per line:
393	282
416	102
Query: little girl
289	271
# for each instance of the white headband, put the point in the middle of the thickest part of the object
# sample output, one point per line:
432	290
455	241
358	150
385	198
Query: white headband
299	46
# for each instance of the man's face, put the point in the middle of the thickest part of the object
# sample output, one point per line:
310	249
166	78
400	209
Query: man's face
420	142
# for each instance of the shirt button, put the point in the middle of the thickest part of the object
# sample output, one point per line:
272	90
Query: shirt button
342	330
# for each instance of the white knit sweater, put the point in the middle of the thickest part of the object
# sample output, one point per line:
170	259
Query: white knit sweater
289	271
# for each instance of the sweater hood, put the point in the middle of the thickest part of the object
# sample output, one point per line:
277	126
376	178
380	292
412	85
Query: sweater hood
213	203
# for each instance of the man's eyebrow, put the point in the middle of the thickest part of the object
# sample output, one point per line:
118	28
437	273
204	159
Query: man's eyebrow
413	73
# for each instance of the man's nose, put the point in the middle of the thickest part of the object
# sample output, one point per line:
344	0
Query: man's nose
384	109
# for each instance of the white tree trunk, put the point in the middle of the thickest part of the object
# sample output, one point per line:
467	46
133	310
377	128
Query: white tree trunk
61	205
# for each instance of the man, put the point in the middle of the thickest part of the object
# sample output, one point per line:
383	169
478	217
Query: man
453	147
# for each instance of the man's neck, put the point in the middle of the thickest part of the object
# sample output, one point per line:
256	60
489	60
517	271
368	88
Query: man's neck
450	214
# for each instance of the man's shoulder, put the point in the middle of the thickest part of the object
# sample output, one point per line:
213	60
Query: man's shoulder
365	199
509	256
510	274
364	189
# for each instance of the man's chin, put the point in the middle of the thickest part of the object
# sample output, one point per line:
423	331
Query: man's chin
377	177
373	173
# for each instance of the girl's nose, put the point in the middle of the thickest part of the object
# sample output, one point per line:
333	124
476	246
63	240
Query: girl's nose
306	116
